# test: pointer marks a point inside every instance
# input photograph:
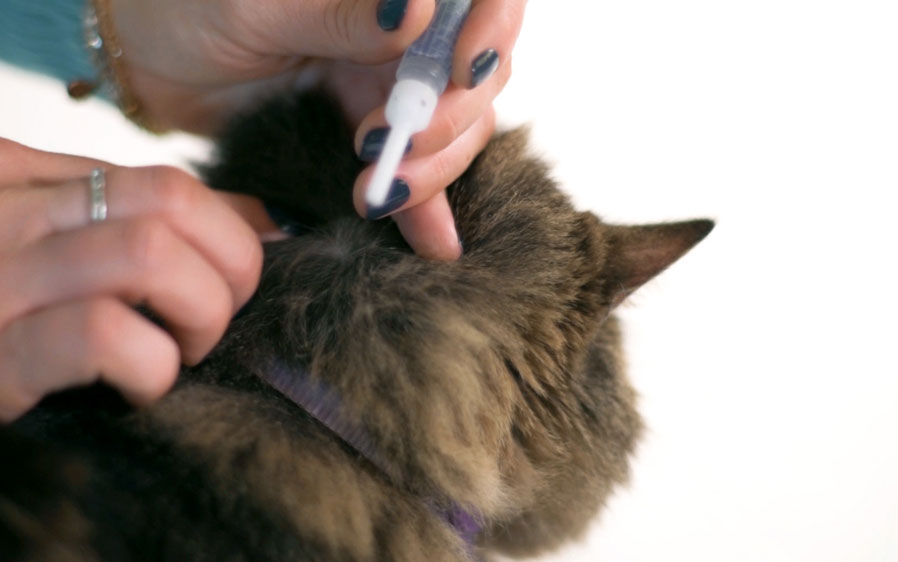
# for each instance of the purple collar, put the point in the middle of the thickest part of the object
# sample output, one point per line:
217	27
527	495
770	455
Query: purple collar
324	404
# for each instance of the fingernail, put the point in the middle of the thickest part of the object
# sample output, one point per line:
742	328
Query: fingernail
283	220
390	13
373	144
483	66
399	194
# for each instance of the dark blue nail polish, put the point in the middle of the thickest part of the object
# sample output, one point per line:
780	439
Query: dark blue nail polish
283	220
399	194
373	144
483	66
390	13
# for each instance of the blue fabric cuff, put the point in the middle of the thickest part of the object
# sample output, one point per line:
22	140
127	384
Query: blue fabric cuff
46	36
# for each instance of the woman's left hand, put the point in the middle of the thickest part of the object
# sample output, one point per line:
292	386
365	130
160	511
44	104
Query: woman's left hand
193	63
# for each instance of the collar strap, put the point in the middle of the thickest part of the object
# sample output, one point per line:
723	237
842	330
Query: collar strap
323	403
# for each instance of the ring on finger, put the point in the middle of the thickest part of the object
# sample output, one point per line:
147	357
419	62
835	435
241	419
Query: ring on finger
97	195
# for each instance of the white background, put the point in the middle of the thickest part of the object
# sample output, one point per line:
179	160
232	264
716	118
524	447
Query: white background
765	358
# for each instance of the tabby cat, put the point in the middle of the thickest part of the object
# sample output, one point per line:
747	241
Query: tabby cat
366	404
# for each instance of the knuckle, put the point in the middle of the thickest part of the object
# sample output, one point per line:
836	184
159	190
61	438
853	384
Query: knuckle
175	189
27	215
11	345
450	128
338	23
217	319
443	168
166	367
15	395
101	322
220	316
248	266
13	403
234	10
39	207
447	169
10	149
203	331
488	121
487	131
147	243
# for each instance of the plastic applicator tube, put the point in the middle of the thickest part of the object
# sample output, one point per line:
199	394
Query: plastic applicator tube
422	76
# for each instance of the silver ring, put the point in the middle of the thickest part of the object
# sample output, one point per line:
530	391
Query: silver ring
97	195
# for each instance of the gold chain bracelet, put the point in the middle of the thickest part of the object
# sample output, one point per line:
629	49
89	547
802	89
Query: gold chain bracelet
102	41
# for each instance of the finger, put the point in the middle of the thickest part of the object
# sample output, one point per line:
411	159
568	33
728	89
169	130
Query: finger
253	211
20	164
429	229
486	40
78	343
207	220
368	31
140	261
457	111
420	179
192	210
361	88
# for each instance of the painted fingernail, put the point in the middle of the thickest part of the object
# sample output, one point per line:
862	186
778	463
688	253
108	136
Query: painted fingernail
390	13
373	144
286	223
399	194
483	66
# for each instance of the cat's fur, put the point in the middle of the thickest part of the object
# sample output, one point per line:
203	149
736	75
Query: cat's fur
495	382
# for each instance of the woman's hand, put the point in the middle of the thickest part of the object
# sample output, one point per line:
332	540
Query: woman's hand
193	63
68	286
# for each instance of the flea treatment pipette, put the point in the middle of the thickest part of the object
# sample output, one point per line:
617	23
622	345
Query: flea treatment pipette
422	76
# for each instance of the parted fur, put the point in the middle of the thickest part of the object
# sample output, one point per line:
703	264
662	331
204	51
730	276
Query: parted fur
495	382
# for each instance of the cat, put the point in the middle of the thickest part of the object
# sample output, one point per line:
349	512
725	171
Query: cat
366	404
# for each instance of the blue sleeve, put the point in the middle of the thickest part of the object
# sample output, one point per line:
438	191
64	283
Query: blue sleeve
45	36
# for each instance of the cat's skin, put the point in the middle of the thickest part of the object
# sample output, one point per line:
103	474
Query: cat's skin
494	382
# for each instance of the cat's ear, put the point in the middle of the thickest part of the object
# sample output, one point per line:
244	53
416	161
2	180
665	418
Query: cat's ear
638	253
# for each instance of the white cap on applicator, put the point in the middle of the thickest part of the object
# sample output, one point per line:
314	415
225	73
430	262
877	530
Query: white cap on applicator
422	76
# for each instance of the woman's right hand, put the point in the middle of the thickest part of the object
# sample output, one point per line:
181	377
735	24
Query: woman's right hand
68	287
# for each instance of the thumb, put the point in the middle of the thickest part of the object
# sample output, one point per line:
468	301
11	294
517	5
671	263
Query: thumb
362	31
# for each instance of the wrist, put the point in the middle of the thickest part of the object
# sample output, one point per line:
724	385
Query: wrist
103	70
103	41
201	110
